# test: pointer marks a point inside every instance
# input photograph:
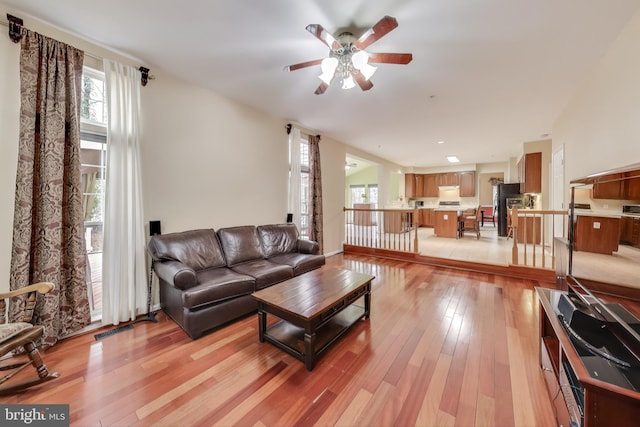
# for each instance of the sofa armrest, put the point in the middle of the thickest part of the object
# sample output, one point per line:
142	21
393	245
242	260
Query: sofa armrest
176	274
308	247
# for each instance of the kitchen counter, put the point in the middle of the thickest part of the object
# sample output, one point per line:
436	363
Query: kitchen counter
602	214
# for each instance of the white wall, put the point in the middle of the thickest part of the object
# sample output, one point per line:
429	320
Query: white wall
600	126
210	162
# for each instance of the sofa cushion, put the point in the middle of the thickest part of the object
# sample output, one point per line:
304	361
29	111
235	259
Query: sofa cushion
301	263
278	239
265	272
240	244
217	285
197	249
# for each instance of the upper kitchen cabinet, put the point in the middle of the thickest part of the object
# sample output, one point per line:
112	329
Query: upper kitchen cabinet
418	189
430	185
448	178
467	184
530	173
413	185
409	185
633	186
609	186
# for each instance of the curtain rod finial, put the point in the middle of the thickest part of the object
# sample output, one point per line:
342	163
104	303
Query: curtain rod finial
15	27
145	75
288	127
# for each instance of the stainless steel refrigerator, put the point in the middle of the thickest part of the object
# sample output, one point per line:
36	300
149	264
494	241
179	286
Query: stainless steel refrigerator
505	191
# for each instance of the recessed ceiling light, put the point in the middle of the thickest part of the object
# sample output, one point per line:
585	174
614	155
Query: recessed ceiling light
440	142
453	159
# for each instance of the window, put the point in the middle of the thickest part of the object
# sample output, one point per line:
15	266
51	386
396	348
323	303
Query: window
304	188
304	185
93	156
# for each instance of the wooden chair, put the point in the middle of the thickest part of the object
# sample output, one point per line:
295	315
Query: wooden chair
487	214
23	334
469	221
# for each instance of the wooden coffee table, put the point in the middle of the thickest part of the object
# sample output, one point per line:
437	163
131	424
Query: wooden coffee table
315	309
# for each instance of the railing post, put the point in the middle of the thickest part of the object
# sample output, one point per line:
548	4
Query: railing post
416	224
514	227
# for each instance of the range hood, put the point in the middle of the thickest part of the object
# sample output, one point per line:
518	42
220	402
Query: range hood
448	187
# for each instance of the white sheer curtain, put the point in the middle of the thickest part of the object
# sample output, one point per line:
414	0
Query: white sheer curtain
294	176
124	260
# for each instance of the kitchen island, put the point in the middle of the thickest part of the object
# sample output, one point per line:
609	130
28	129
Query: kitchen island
597	232
446	222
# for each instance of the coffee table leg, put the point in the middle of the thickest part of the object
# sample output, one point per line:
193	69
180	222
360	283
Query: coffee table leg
367	304
262	324
309	353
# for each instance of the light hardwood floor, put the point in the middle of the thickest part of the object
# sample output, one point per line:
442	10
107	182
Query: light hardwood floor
622	267
442	347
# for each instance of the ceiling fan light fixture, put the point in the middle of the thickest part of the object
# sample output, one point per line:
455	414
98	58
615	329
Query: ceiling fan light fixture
360	62
348	83
328	67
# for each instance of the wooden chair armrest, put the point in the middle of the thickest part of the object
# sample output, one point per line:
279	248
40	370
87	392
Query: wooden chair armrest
41	287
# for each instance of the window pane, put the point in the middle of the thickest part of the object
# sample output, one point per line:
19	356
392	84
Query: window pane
93	156
93	104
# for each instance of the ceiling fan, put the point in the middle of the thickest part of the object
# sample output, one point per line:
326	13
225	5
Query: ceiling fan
348	61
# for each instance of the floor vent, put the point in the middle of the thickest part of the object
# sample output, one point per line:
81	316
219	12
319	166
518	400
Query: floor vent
113	332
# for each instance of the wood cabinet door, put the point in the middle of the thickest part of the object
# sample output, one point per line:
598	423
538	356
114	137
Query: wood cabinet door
467	184
430	185
409	185
626	230
418	189
611	187
633	189
597	234
532	175
448	178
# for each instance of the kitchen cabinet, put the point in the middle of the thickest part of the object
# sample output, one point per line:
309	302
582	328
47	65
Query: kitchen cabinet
431	185
446	223
597	234
447	178
418	189
630	231
529	225
530	173
467	182
632	189
426	217
397	222
609	187
409	185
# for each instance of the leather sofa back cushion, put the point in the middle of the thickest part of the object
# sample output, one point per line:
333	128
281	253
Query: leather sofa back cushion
240	244
197	249
278	239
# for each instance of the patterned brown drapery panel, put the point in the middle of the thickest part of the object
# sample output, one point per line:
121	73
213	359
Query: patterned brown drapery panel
48	244
315	192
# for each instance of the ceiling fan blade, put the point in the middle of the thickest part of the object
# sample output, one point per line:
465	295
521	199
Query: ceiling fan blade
324	36
303	65
362	82
390	58
376	32
323	86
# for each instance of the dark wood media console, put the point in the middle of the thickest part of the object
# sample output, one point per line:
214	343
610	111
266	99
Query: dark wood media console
581	395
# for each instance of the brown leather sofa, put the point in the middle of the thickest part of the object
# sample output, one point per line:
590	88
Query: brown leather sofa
207	278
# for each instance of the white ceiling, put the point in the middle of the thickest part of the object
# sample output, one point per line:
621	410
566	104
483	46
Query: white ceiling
486	75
